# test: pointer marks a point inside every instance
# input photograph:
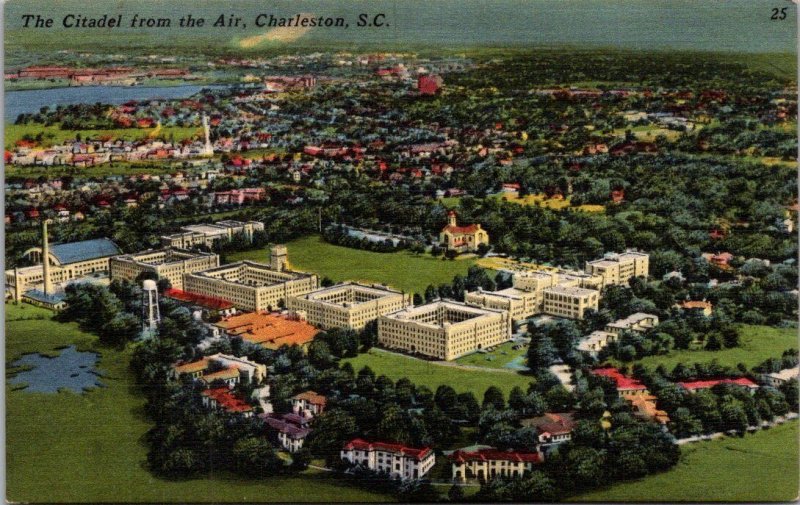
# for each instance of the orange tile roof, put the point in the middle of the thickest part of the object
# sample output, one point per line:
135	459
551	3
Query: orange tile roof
227	400
269	330
227	373
645	406
194	366
311	397
697	305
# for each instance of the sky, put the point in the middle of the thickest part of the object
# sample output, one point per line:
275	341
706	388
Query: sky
706	25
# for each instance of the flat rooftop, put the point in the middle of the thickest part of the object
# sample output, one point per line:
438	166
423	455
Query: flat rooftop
162	256
440	313
350	294
570	290
251	274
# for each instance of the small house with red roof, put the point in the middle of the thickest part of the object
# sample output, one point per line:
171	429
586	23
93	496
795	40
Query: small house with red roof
626	386
487	463
694	386
223	399
396	460
553	428
462	238
703	306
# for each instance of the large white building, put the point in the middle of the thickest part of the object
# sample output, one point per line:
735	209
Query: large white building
617	269
349	305
397	461
65	262
562	293
444	329
208	234
167	263
569	302
249	285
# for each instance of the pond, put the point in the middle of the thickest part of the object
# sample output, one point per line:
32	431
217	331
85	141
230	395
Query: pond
72	370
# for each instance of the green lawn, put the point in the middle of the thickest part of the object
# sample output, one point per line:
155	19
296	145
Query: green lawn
499	358
54	135
760	467
757	344
88	448
432	375
401	270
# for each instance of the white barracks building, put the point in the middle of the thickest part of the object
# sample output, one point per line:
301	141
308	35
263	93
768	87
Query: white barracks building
444	329
349	305
398	461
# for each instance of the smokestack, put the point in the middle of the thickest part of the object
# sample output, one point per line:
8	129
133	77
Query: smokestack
48	286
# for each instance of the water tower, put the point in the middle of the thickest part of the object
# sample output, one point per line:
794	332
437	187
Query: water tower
150	313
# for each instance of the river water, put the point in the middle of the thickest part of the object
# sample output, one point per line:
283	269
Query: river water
30	101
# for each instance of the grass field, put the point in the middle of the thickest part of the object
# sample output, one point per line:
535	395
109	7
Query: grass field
432	375
757	344
549	203
88	448
760	467
401	270
499	358
54	135
498	263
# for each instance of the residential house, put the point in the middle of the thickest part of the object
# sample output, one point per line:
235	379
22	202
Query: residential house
308	404
554	428
292	429
223	399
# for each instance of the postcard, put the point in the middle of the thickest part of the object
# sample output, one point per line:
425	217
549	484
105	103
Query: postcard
401	251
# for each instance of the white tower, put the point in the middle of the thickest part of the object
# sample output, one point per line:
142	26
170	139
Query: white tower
150	313
208	149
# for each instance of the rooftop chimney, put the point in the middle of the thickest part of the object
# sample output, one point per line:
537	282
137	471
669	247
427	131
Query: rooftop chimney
48	286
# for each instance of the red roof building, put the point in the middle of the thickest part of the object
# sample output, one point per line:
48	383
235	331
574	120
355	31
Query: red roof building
429	84
626	386
223	399
486	463
396	460
693	386
208	302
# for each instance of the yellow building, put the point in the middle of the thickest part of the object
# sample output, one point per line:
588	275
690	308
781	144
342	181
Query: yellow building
444	329
569	302
520	304
617	269
349	305
66	262
249	285
168	264
209	234
462	238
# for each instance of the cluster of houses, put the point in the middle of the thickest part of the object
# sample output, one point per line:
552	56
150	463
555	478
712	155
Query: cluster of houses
220	375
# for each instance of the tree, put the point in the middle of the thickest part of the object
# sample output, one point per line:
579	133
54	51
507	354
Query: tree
255	457
124	327
733	416
445	398
494	397
684	424
455	493
330	432
301	459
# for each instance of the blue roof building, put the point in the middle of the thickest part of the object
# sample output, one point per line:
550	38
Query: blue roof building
74	252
